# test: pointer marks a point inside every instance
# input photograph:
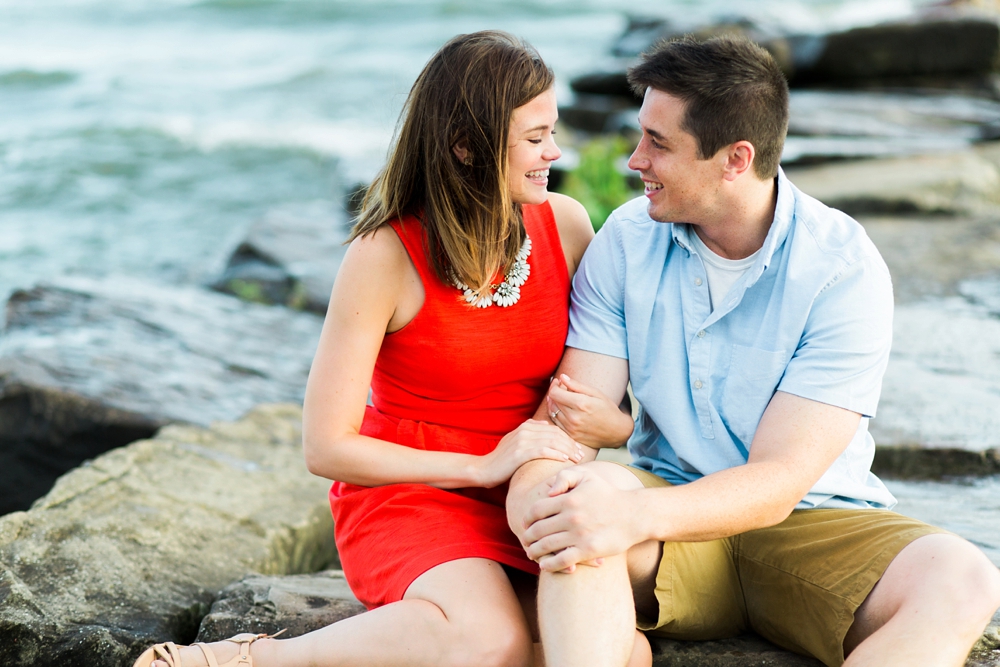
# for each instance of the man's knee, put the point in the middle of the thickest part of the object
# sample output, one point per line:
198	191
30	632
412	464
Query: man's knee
975	592
957	578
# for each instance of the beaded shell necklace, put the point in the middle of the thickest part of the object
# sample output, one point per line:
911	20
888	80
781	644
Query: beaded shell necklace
505	293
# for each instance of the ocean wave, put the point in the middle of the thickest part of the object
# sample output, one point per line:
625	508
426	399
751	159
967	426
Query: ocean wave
342	139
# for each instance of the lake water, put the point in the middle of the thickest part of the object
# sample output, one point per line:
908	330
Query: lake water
142	137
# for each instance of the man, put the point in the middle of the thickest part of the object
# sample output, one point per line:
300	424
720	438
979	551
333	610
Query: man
754	324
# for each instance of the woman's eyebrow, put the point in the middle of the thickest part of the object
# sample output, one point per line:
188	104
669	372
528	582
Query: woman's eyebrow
536	129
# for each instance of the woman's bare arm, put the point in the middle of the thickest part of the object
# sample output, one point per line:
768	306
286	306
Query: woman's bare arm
373	292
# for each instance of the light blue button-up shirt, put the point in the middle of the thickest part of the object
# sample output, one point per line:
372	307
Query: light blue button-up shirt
811	317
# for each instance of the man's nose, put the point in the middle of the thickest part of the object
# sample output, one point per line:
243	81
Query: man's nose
637	161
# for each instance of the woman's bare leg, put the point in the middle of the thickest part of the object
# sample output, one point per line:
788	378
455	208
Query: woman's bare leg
463	612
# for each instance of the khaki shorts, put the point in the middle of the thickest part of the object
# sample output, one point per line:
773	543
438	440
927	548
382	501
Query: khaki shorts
796	584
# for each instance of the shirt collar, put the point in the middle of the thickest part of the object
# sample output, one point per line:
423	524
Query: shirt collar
784	212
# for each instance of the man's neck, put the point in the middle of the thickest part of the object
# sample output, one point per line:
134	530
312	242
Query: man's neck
739	228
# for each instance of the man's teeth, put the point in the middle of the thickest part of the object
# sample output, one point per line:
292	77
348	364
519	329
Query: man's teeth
538	175
653	187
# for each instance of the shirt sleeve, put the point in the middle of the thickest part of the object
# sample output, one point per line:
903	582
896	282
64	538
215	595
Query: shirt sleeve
597	308
844	349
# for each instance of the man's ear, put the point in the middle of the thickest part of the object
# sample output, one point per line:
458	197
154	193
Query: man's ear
739	159
461	150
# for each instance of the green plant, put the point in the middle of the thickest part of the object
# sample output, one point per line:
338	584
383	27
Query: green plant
596	182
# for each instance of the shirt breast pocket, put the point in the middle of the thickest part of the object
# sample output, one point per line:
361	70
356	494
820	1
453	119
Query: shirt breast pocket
753	376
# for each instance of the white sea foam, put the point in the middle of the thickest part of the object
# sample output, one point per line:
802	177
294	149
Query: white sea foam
361	147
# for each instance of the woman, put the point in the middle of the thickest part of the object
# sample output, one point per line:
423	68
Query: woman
451	304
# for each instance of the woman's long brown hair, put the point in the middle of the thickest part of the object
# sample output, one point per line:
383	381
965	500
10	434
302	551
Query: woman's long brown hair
465	96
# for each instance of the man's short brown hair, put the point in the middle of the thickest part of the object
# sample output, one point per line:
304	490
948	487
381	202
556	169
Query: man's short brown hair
733	89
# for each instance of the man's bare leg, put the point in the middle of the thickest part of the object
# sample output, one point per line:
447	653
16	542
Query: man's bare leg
588	617
929	607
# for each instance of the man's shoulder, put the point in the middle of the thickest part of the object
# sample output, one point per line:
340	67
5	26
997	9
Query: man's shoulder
635	211
829	236
631	226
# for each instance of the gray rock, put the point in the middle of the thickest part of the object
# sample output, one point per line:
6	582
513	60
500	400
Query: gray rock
132	548
933	255
598	113
940	408
297	604
302	603
89	365
945	183
941	45
986	652
745	651
289	257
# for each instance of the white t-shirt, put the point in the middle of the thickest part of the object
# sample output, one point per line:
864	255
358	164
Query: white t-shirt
722	273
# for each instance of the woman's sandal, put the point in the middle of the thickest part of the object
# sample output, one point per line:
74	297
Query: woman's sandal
168	652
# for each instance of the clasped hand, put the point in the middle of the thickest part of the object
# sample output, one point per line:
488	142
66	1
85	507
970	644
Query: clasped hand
533	439
586	414
580	519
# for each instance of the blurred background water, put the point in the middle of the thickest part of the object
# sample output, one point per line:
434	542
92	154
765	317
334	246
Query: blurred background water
143	136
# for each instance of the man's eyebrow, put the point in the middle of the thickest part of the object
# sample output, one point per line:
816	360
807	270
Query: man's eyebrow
656	135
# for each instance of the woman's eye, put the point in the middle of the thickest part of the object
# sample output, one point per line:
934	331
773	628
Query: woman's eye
535	141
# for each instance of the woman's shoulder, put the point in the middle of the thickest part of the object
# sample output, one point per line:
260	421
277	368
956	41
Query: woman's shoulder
574	226
379	252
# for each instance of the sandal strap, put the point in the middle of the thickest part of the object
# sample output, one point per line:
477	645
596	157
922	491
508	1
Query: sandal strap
209	655
168	653
244	640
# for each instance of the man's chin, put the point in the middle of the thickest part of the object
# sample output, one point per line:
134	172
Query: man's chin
657	214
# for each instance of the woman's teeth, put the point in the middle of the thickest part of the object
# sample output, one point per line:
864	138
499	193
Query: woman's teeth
538	175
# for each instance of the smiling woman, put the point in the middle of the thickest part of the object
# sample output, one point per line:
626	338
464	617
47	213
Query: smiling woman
452	305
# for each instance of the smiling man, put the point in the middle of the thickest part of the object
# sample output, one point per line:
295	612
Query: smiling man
754	324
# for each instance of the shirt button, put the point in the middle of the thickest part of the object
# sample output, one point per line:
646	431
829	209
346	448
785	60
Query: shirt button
701	334
697	384
697	282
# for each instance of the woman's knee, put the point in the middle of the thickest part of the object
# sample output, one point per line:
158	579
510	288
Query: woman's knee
615	474
484	621
501	643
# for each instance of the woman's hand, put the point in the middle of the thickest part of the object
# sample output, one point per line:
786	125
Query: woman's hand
586	415
531	440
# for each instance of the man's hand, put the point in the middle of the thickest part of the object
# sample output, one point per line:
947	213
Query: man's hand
581	519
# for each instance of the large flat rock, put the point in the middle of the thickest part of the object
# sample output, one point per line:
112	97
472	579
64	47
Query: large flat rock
303	603
88	365
133	548
941	183
940	408
932	256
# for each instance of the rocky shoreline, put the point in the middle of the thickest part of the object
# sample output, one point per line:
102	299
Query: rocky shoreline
162	504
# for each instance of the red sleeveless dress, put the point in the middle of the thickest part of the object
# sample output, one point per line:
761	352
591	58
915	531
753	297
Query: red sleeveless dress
456	378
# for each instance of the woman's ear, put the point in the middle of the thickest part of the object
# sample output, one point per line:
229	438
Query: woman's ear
461	151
